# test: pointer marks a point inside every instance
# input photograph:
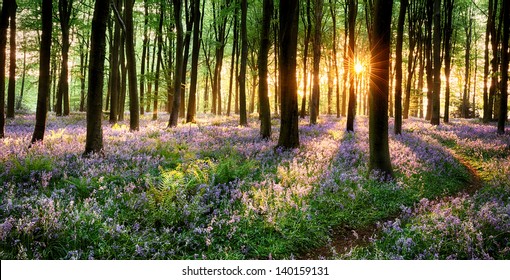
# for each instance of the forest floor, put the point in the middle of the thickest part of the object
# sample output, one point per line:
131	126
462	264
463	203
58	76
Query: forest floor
215	190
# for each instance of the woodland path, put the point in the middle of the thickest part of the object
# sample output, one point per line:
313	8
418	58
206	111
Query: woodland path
344	239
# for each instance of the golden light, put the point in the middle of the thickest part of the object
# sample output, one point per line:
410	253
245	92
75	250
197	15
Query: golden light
358	67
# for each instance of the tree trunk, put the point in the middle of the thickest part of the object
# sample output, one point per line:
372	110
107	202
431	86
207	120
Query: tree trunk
447	55
437	64
307	21
490	22
398	67
179	49
467	70
265	44
332	8
134	106
158	62
351	108
94	140
495	38
379	159
145	47
503	111
4	24
11	95
43	90
242	72
192	104
114	71
65	8
314	112
289	132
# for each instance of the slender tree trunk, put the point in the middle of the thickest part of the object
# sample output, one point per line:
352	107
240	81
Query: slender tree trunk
495	60
11	95
192	104
4	24
490	22
307	21
314	112
94	140
265	44
65	8
503	111
179	49
134	105
398	67
244	56
43	90
289	21
447	55
437	64
467	70
114	71
379	159
23	76
158	62
332	8
145	47
353	8
235	45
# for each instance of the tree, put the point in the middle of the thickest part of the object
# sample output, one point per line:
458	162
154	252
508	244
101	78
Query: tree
398	67
265	43
179	48
351	107
192	104
4	23
94	139
242	72
43	90
289	132
314	104
65	8
12	60
379	159
503	109
437	64
307	22
447	54
134	113
115	78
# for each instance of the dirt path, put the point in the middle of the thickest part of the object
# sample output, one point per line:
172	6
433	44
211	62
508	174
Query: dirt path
344	239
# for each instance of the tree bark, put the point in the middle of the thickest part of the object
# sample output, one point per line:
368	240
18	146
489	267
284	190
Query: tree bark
379	159
94	140
503	111
134	105
192	104
447	55
314	108
179	48
4	23
43	90
437	64
351	107
289	132
242	72
398	67
265	44
11	95
65	8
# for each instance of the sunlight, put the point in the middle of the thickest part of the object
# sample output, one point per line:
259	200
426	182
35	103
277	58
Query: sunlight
358	68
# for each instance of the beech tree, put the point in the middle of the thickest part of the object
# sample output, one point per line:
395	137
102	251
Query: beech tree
94	138
503	109
43	90
12	59
289	20
265	43
379	159
4	23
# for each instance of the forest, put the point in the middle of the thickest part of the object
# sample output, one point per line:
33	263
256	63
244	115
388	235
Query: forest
254	129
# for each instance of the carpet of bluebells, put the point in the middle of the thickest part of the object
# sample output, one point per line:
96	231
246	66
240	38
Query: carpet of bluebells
215	190
463	226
